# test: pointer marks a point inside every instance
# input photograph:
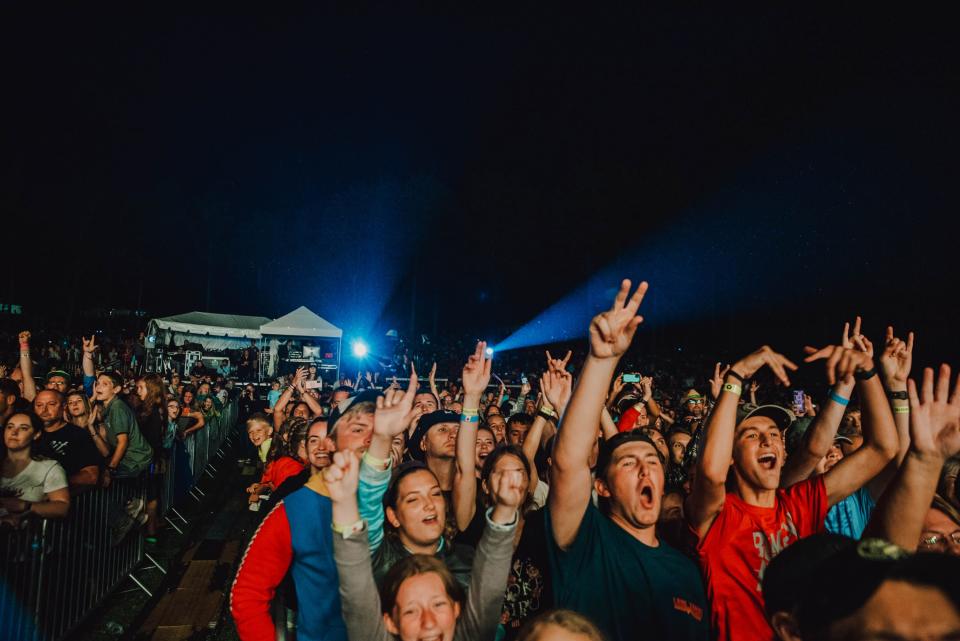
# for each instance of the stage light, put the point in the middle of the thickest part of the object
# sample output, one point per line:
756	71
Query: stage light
359	348
489	351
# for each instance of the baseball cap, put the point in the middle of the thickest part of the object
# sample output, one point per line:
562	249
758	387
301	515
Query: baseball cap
791	572
366	396
856	573
57	372
610	445
426	422
783	417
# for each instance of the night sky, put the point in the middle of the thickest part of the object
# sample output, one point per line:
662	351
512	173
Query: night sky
774	171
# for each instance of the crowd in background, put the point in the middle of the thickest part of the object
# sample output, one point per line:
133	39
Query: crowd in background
595	501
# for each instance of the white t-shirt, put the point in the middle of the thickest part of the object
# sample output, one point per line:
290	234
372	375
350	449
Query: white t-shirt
37	479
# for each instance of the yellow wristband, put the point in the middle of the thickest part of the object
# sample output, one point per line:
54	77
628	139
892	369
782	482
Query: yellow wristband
901	409
732	388
378	463
473	412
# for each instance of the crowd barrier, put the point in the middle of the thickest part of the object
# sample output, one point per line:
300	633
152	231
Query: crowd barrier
54	573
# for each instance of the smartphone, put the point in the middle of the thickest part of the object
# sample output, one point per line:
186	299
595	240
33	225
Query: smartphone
798	401
631	378
313	384
523	379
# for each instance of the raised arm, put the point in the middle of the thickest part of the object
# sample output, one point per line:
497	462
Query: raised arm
880	442
570	483
359	598
802	462
895	363
394	413
314	405
935	437
281	405
26	367
709	487
476	377
89	373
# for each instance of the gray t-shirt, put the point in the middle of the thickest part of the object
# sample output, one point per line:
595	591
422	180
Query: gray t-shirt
37	479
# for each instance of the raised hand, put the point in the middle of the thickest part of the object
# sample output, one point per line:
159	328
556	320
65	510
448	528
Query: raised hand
89	346
558	363
935	415
298	378
395	411
557	386
896	360
612	331
525	388
342	476
841	362
476	372
716	382
24	337
617	388
847	341
778	364
646	385
506	487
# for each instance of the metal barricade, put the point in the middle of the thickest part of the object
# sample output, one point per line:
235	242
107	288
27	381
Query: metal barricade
53	573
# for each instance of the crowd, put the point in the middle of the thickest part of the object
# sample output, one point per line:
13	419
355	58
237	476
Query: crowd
581	499
597	502
76	419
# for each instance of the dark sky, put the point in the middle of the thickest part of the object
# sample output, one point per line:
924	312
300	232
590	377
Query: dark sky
460	171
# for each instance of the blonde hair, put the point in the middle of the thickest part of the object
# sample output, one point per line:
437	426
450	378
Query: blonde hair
569	620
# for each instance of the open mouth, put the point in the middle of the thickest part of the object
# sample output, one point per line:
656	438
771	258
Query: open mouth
767	461
430	519
646	496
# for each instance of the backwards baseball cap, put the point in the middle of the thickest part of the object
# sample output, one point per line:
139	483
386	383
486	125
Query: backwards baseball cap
426	422
57	372
856	573
366	396
610	445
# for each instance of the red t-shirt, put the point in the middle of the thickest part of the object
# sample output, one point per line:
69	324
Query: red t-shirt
741	542
280	470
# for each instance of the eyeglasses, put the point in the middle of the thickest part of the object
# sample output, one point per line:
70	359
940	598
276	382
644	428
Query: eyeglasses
939	540
694	401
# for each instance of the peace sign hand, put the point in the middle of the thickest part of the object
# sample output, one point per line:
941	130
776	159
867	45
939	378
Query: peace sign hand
476	372
612	331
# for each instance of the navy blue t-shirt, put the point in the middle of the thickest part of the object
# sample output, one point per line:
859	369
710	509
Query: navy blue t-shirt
629	589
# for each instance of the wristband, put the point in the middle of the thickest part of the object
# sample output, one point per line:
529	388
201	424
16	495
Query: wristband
732	388
898	396
839	400
903	409
865	374
464	418
473	412
546	415
24	347
378	463
731	372
346	531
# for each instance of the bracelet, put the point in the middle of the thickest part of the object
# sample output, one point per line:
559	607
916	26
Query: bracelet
736	375
839	400
866	374
733	388
377	463
902	409
469	419
898	396
348	530
473	412
546	415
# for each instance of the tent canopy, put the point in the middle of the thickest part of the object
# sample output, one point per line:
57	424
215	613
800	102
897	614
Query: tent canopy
205	323
301	322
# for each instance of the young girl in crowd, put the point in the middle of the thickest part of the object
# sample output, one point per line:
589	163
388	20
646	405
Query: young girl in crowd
29	484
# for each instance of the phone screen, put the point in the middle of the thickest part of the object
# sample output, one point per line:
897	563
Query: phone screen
798	400
631	378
